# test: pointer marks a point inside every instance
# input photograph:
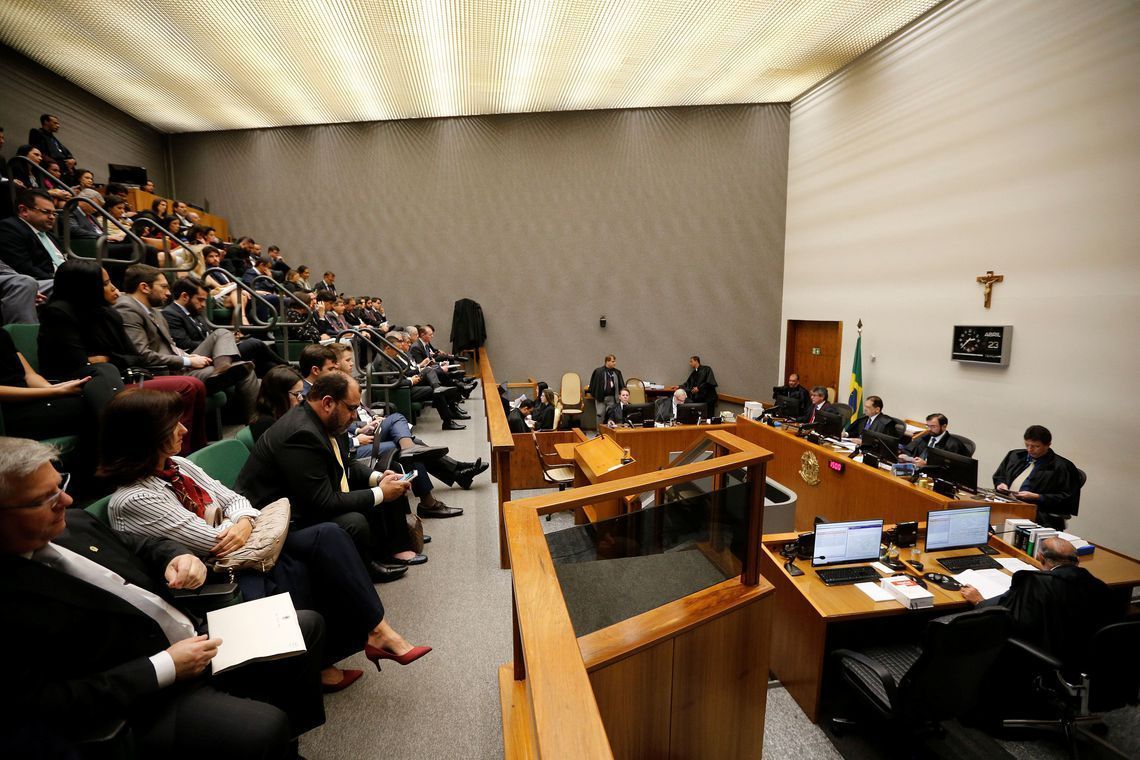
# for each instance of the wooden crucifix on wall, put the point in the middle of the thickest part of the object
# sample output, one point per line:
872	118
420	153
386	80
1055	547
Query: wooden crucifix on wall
988	280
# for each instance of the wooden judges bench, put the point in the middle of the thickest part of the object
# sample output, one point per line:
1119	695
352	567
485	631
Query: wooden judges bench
811	619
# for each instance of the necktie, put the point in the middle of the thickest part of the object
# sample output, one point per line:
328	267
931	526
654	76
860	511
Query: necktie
49	246
609	383
867	424
340	461
174	624
1019	481
814	409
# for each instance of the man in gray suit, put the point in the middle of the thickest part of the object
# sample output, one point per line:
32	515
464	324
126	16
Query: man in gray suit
216	361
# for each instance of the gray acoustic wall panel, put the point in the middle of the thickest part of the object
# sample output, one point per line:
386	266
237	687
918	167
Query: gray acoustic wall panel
96	133
668	221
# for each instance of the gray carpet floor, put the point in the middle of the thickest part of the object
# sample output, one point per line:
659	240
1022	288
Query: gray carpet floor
447	704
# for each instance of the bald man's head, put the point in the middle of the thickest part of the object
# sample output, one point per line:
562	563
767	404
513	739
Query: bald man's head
1057	551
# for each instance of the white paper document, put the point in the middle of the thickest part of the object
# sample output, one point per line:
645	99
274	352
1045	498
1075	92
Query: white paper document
989	583
1013	564
881	568
874	591
264	629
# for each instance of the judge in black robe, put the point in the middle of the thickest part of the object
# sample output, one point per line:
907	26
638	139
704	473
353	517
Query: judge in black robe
700	385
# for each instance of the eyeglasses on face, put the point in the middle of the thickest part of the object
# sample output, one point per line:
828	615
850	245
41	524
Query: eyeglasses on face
51	501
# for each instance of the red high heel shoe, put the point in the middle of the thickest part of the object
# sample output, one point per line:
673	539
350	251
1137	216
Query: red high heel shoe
376	654
349	678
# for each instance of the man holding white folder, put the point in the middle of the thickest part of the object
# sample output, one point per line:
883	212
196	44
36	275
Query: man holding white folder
92	637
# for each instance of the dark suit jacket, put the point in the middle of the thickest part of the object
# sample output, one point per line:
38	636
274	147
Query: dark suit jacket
1057	610
49	144
949	442
615	413
294	459
807	416
597	387
1054	477
517	422
21	249
71	649
187	331
884	423
419	351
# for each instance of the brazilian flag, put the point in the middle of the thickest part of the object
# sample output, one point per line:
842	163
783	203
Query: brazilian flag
855	400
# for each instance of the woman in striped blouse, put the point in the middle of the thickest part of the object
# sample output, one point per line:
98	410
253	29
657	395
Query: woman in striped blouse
161	494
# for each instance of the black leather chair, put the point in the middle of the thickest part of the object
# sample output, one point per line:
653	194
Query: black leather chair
843	409
1107	678
917	687
971	447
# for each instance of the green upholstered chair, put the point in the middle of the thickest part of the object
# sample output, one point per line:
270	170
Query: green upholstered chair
99	509
246	437
222	460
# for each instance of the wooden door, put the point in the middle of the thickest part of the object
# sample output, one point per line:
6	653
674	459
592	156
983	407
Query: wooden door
813	351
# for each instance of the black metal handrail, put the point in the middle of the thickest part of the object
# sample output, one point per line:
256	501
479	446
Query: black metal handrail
369	373
282	309
275	321
138	245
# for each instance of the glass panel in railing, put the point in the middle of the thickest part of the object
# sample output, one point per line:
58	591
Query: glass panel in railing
614	569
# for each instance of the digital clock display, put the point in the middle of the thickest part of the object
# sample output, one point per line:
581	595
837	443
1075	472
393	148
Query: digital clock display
836	466
982	344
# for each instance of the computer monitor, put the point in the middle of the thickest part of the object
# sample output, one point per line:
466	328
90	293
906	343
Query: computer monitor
837	543
829	423
690	413
635	414
957	528
961	469
785	406
885	447
126	175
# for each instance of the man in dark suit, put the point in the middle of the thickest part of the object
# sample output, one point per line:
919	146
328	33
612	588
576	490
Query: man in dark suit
665	408
605	383
427	356
184	319
817	402
1038	475
424	385
327	283
27	244
516	420
236	260
615	415
872	419
937	437
304	457
700	385
215	361
44	138
93	635
279	266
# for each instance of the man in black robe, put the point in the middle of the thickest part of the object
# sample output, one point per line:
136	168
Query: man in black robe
605	384
700	385
1038	475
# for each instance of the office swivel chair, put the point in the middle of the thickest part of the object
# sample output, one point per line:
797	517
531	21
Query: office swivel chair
971	447
844	410
1108	677
916	687
571	394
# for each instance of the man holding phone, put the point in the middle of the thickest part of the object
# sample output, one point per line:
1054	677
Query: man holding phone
304	457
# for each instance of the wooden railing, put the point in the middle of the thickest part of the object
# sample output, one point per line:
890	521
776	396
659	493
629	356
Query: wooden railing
561	717
499	436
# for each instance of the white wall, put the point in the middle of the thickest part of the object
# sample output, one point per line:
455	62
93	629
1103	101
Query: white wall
995	134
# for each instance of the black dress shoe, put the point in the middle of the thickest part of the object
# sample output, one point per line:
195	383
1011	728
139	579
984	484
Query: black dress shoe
439	509
427	539
385	573
461	415
453	425
466	475
419	559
